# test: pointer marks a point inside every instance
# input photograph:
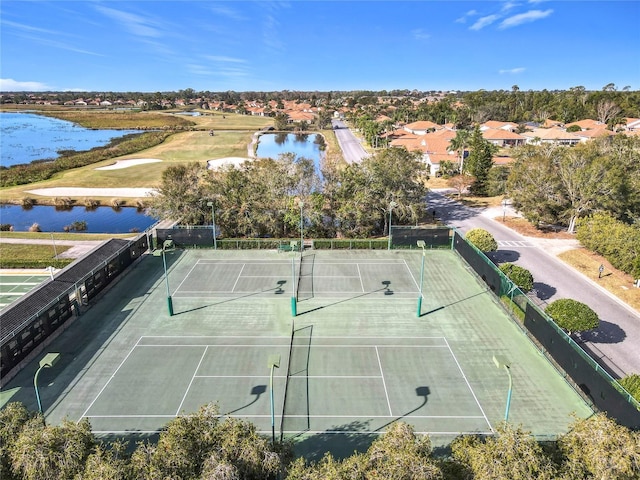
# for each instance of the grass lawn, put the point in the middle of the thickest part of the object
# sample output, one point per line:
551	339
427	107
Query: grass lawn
615	281
28	254
66	236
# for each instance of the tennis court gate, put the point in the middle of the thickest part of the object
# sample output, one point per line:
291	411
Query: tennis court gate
34	320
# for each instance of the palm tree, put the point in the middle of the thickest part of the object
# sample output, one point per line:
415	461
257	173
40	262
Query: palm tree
459	143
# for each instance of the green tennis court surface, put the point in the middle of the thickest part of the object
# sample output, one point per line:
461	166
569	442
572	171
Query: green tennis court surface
355	358
14	285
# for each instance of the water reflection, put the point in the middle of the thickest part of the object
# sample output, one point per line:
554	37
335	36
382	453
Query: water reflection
58	219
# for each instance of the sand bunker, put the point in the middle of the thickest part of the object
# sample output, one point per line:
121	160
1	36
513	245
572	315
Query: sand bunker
220	162
93	192
129	163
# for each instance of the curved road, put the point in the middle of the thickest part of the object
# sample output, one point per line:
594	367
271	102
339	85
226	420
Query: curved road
616	343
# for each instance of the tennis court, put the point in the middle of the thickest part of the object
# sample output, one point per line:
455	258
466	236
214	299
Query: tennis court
14	284
355	357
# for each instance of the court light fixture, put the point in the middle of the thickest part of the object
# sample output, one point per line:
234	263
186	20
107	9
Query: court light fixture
502	362
274	362
48	361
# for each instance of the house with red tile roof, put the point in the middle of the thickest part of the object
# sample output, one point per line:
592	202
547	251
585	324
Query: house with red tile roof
503	138
551	135
421	127
493	124
587	124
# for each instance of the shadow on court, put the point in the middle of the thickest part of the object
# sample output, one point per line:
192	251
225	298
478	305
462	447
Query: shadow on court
386	289
453	303
357	436
276	290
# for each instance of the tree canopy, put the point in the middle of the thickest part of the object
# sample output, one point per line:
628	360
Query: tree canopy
572	315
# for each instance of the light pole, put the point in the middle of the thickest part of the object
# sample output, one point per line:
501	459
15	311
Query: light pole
213	226
55	250
274	362
301	228
504	209
158	253
392	205
294	306
421	244
49	360
502	362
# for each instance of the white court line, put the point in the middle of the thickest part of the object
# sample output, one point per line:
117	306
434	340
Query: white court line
468	385
238	278
276	336
384	384
295	346
360	276
411	274
108	381
185	277
191	382
290	376
385	417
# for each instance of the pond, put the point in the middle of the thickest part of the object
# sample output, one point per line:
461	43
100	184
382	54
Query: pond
272	145
99	220
25	137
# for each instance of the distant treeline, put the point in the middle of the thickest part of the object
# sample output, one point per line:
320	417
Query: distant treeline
464	107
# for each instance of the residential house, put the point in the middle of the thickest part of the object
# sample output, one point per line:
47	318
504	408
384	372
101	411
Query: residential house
587	124
503	137
495	125
421	127
551	135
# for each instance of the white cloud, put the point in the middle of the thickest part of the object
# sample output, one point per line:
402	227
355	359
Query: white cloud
530	16
220	58
484	21
135	24
225	11
11	85
508	6
511	71
420	34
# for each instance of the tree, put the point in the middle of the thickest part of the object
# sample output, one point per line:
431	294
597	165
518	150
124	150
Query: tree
459	143
573	316
13	418
461	183
51	452
281	121
480	160
599	448
366	190
182	194
482	240
511	454
518	275
606	110
631	384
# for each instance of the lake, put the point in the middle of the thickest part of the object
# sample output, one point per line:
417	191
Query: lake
25	137
272	145
99	220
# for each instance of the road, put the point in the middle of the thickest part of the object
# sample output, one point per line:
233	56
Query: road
615	344
352	149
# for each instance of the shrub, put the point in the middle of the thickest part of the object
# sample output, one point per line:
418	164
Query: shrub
116	203
90	203
35	228
573	316
631	384
482	240
6	227
27	202
518	275
63	203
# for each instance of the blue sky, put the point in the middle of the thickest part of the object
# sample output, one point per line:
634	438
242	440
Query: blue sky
149	46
